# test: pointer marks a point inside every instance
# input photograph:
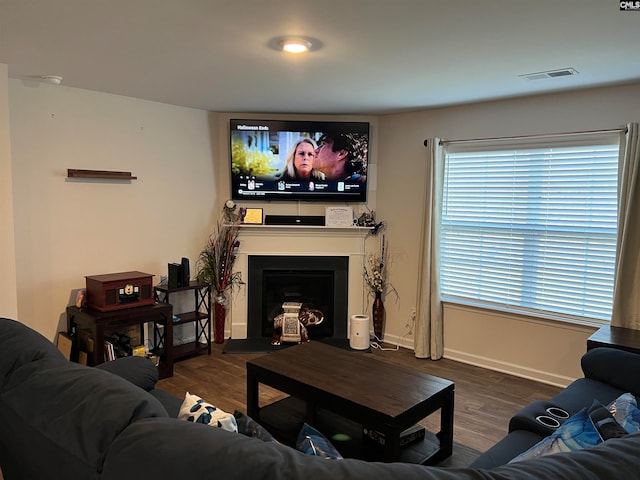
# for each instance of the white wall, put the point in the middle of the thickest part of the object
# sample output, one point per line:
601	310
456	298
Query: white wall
8	287
538	349
66	229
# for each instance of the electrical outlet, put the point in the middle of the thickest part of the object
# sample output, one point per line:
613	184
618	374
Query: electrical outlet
412	320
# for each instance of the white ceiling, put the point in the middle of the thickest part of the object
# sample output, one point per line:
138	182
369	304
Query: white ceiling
377	56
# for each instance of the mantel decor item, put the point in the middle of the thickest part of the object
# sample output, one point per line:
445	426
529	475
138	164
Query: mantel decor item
376	279
339	216
253	216
215	264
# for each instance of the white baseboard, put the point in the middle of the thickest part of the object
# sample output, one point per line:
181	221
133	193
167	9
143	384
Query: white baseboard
509	368
404	342
490	364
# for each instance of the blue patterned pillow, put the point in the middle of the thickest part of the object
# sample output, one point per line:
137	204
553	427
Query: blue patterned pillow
312	442
195	409
576	433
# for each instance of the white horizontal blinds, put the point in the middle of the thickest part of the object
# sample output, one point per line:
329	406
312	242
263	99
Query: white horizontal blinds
532	227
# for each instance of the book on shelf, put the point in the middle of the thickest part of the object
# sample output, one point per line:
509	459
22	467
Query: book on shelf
109	351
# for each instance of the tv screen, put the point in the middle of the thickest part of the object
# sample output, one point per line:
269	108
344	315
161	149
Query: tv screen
299	160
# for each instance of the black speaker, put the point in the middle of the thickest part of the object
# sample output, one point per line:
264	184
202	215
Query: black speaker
175	276
186	277
315	220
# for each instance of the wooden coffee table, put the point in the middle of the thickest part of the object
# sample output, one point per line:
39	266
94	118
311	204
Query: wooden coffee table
339	391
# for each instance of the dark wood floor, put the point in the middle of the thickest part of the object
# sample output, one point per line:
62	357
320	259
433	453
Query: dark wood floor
485	400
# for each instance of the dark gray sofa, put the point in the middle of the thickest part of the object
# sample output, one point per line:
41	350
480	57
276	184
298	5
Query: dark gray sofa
60	420
608	373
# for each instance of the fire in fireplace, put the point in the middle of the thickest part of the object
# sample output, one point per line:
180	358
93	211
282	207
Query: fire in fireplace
318	282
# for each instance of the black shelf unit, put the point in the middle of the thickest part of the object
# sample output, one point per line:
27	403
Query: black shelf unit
200	316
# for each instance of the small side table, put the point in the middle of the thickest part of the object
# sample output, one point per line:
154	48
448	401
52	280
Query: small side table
98	324
615	337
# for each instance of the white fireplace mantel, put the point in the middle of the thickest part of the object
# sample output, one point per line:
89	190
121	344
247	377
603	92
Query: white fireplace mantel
298	240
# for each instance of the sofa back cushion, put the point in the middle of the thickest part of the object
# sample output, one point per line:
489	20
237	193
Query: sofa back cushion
59	421
617	368
20	345
140	371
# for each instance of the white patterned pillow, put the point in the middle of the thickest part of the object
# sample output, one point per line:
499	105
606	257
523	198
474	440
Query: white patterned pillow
195	409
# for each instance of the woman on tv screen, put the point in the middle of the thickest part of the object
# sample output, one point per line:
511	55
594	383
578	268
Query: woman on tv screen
300	162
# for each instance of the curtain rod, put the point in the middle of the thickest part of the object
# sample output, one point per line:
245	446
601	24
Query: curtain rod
540	135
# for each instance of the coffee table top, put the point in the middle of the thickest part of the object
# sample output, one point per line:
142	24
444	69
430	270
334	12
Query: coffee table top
359	377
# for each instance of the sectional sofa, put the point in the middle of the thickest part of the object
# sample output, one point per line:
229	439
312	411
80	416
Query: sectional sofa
60	420
609	375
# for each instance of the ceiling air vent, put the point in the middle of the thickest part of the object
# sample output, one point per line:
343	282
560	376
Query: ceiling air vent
563	72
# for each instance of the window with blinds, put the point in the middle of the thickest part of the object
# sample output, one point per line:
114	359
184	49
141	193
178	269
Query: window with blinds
532	227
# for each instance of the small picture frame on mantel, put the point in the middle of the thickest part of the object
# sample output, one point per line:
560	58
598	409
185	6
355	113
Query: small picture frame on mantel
339	217
253	216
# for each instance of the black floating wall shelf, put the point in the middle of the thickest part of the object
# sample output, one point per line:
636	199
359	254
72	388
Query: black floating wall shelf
106	174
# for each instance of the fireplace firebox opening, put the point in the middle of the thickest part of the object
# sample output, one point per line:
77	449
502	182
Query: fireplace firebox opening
318	282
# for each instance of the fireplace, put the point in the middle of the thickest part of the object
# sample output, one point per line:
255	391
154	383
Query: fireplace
315	244
318	282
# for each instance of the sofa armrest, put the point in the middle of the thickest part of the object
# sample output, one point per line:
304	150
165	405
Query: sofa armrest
509	447
140	371
615	367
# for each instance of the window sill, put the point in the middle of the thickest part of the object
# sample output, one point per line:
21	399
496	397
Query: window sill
525	315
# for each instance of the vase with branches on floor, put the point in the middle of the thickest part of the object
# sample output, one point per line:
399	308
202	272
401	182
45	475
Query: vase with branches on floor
377	282
215	264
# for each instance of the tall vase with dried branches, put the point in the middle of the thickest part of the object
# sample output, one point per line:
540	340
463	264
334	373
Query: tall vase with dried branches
215	265
377	282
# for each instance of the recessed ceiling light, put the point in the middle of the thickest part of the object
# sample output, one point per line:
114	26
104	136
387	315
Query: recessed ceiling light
295	45
52	79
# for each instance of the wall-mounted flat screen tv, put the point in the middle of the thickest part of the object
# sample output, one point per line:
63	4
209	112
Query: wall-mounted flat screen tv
290	160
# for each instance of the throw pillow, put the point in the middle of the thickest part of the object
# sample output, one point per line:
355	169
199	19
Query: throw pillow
195	409
312	442
625	410
249	427
576	433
